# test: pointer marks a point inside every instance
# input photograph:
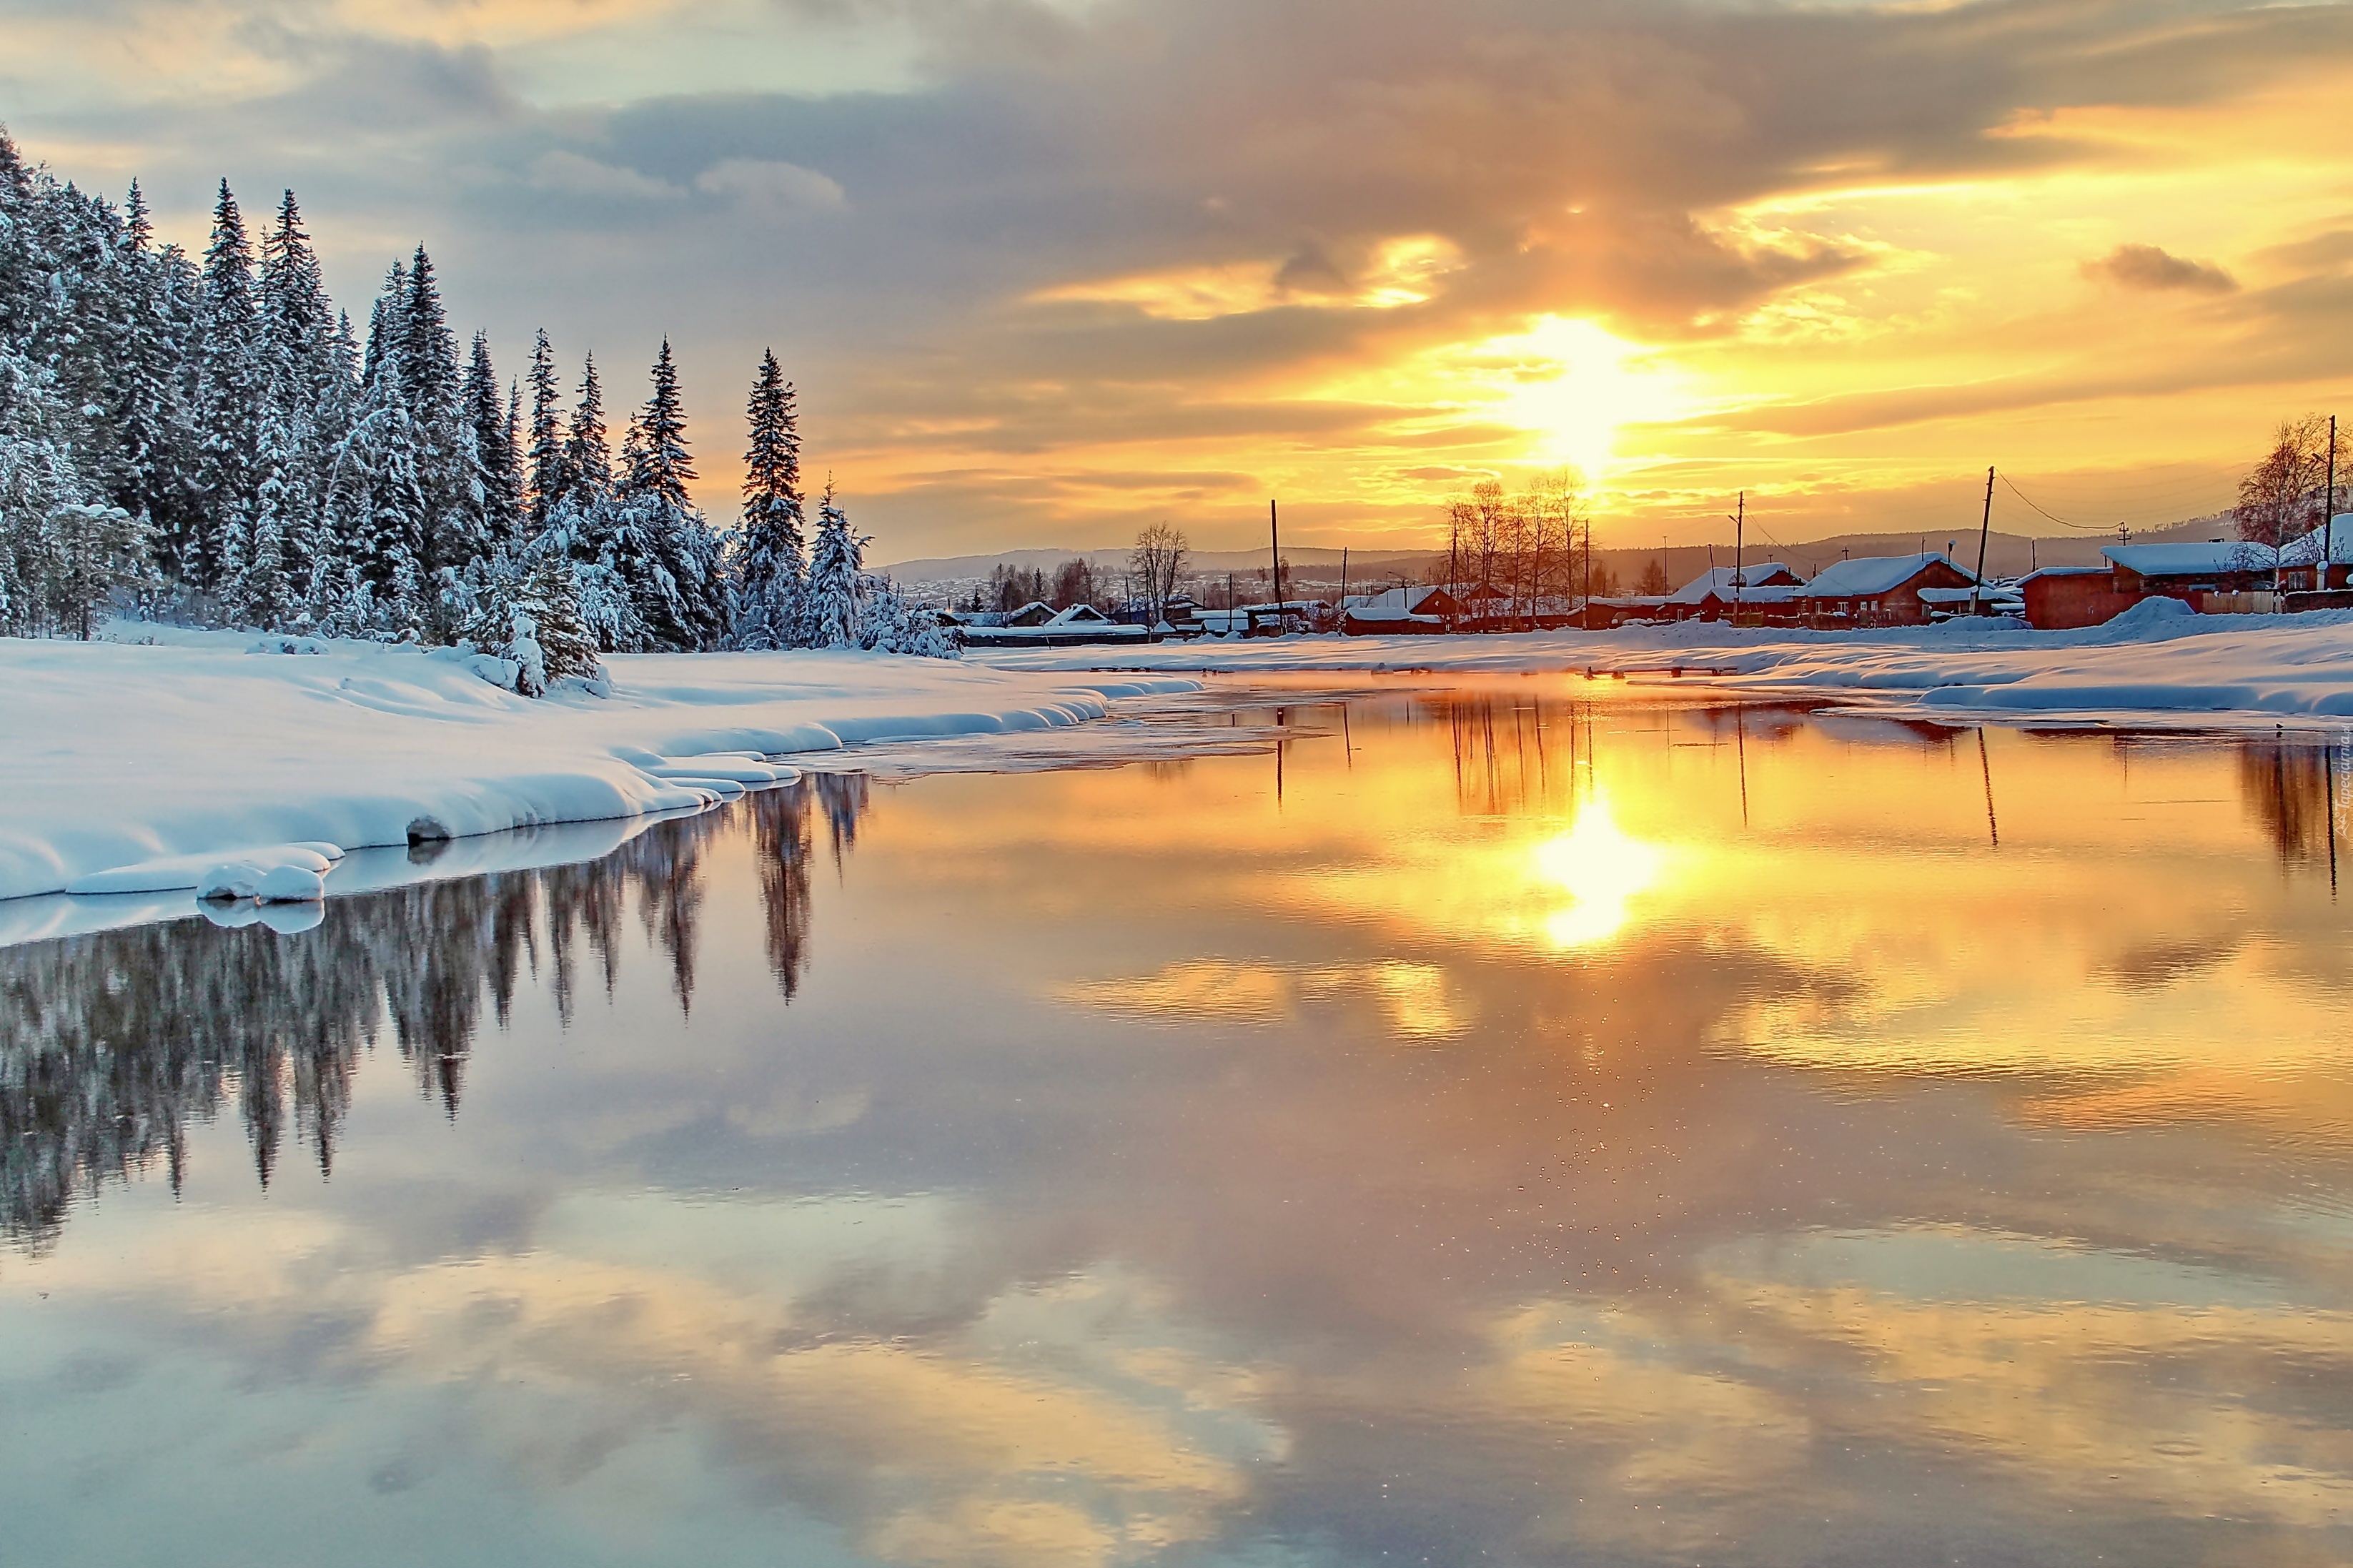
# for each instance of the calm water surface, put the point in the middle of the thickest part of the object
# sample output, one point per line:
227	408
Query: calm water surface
1527	1123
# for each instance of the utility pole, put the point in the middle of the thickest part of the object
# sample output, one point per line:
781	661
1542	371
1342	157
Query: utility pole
1985	525
2328	516
1274	545
1666	580
1739	533
1343	576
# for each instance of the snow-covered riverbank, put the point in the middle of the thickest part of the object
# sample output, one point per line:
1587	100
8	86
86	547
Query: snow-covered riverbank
128	768
2148	666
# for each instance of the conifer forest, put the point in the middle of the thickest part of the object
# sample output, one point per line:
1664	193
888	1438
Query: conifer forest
210	440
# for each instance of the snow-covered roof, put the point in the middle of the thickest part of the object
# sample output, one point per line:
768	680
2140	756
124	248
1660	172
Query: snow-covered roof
2304	552
1409	598
2062	572
1718	581
2206	558
1868	575
1078	612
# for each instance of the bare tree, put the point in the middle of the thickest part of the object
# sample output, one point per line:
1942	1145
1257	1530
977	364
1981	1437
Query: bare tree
1158	560
1076	581
2281	497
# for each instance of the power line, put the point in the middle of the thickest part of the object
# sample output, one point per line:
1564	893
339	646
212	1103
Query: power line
2081	527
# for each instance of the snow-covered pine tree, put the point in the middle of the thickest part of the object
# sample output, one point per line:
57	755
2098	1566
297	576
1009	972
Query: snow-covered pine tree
896	624
230	390
771	565
530	612
263	593
388	321
21	274
428	348
298	321
543	459
665	550
588	526
490	416
587	449
153	419
449	465
376	515
836	579
63	550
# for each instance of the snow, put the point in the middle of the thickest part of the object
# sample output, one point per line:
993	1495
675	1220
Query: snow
2158	663
137	768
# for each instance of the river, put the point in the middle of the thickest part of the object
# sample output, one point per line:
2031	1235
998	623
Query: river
1535	1121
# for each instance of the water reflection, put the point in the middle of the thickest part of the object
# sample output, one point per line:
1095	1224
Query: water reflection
1554	1128
113	1045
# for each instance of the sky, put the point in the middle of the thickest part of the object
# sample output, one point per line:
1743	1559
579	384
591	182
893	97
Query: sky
1046	271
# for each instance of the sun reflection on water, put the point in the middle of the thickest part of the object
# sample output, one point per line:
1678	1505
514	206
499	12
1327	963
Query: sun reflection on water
1603	868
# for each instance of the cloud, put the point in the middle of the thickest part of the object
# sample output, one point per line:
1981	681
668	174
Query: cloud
1166	234
770	184
2145	268
568	172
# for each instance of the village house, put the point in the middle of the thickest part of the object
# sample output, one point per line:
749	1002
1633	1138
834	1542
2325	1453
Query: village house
1412	608
2060	598
2228	570
1885	590
1039	625
2298	557
1720	592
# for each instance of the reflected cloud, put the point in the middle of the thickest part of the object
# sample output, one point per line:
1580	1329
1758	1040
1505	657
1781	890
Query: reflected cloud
1158	1167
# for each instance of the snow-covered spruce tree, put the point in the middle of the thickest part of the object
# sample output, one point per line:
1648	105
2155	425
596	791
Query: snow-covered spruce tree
21	273
230	394
546	478
490	418
298	321
263	592
153	420
836	580
529	614
663	549
588	527
771	565
376	515
895	624
64	552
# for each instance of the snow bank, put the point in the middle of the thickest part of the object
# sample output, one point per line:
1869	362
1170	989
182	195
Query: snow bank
2156	661
210	760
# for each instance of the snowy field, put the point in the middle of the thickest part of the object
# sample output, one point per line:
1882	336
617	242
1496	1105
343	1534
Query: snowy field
211	762
2157	664
201	763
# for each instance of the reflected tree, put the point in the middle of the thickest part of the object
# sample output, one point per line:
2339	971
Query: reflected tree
2293	789
113	1044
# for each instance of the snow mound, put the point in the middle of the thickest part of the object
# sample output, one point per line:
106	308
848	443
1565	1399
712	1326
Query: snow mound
283	883
2148	613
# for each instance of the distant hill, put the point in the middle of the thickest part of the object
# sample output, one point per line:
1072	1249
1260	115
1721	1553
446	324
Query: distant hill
1207	563
2007	555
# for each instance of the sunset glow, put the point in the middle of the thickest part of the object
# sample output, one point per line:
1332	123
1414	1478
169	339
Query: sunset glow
1159	261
